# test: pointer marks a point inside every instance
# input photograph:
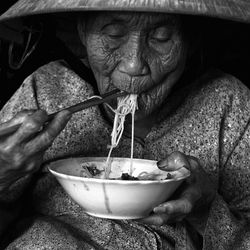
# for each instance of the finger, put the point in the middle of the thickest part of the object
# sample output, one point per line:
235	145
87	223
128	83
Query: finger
155	219
161	219
44	140
17	119
33	165
12	125
182	206
30	126
173	162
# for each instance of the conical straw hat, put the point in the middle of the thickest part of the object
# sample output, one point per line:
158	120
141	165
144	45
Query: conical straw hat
238	10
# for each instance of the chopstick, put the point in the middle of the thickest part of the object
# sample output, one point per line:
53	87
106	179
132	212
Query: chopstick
73	109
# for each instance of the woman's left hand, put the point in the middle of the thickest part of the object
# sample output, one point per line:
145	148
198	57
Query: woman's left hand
192	198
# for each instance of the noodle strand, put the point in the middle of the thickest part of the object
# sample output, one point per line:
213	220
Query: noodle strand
126	105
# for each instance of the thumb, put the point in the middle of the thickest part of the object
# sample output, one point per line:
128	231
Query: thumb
173	162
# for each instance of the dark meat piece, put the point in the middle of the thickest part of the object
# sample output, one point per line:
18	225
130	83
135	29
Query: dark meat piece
169	176
126	176
93	170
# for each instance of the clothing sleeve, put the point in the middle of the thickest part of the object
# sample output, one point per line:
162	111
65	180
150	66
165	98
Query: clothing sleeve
23	98
228	224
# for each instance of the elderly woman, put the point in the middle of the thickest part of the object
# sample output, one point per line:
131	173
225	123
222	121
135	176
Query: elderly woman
202	125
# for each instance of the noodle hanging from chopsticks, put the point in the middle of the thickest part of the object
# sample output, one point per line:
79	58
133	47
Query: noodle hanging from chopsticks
125	105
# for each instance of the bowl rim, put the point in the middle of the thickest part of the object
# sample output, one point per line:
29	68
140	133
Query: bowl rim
105	181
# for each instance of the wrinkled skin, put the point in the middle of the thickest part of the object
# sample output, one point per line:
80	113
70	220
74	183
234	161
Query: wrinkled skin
135	52
138	53
21	153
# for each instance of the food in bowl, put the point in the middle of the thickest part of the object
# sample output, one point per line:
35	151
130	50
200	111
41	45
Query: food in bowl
92	170
115	198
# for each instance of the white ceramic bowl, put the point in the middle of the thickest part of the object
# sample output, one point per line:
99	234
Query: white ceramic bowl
115	199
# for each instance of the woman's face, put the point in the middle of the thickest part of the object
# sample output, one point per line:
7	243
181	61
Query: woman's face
139	53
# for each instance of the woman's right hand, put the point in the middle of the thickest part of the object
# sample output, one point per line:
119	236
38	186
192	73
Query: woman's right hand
21	153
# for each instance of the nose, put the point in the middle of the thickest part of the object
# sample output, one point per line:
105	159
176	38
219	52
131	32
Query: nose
133	62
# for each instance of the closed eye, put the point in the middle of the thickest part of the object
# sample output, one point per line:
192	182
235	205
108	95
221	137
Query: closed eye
114	30
161	34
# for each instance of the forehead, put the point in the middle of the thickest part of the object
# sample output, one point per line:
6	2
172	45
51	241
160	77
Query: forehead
133	19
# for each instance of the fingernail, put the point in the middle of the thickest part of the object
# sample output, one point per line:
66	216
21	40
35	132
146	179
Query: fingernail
159	209
159	164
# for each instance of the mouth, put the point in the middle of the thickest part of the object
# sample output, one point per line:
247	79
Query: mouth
143	86
144	100
131	84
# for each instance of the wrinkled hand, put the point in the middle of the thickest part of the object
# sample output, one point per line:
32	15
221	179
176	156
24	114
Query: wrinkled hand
21	153
192	198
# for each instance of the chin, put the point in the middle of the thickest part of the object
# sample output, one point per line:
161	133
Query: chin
147	104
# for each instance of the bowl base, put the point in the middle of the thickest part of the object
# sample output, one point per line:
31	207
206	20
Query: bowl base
116	217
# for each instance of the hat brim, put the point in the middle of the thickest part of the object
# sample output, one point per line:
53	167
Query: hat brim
235	10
